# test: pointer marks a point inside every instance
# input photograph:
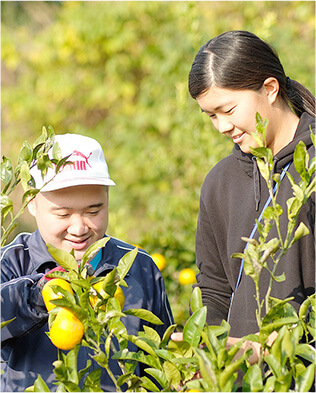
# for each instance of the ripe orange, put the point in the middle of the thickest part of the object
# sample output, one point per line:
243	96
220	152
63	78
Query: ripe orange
159	260
119	295
187	276
48	293
66	331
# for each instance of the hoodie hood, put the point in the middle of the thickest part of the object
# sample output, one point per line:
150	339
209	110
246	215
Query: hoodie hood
248	162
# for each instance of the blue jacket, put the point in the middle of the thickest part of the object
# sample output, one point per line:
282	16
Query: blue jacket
25	348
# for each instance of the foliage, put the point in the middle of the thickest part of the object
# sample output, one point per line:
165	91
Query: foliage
29	156
288	363
117	71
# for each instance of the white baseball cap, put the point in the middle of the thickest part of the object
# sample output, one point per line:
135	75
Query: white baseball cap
88	165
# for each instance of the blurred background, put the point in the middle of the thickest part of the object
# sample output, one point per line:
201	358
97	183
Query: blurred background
117	71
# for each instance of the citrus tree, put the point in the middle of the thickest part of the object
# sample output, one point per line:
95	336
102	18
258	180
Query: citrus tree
91	308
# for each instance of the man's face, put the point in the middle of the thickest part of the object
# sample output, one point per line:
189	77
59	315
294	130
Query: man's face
73	217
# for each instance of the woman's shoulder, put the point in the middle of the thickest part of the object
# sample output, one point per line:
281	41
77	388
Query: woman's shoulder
222	168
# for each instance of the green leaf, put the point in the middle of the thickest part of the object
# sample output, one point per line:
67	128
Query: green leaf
93	381
191	331
172	373
140	344
305	380
126	262
29	195
167	335
63	258
252	381
93	250
25	175
207	370
56	152
152	335
306	351
40	385
146	315
149	385
300	232
299	159
6	172
5	323
159	376
196	299
26	153
139	356
6	207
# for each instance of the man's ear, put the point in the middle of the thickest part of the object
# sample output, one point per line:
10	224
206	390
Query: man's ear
272	88
32	207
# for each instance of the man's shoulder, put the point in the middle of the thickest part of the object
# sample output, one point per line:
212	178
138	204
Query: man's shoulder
20	242
122	247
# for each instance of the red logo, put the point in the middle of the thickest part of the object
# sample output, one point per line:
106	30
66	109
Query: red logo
79	154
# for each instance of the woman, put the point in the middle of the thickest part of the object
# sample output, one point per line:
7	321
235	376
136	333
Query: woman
232	77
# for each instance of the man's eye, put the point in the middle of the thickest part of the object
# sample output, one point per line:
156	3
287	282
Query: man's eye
94	212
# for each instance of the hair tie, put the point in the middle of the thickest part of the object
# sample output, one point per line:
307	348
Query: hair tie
288	83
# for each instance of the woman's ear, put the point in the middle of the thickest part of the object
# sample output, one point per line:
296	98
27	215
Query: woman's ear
272	87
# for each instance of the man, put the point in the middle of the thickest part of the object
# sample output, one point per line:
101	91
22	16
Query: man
71	212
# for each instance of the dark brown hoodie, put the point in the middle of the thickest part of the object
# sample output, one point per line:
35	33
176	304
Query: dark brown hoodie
232	197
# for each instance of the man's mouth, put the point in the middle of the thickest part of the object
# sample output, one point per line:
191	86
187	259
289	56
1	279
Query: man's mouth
78	244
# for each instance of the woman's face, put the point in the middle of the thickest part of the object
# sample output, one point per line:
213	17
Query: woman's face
233	113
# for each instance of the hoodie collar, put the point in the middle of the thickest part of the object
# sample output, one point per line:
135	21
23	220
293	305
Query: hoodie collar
248	162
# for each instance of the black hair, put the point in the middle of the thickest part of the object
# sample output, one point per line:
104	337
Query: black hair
239	60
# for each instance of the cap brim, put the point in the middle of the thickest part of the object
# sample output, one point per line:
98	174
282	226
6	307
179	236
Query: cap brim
54	185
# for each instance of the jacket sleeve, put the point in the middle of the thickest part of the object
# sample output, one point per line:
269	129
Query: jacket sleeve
161	307
21	300
212	278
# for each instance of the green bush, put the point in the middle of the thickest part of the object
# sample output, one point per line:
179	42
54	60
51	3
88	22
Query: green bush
117	71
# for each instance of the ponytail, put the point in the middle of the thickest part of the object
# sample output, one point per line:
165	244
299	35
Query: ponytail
299	98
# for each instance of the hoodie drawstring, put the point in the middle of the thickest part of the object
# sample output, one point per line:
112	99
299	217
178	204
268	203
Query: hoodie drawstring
256	182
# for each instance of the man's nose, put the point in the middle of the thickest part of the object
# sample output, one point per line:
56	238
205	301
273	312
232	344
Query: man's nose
78	226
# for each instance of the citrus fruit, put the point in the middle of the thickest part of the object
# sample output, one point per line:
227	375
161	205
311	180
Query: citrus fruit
66	330
119	295
48	293
187	276
159	260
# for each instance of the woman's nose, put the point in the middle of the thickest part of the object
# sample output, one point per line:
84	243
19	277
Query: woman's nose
224	125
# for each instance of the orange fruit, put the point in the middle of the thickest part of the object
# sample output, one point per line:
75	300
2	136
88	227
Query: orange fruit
159	260
119	294
187	276
66	331
48	293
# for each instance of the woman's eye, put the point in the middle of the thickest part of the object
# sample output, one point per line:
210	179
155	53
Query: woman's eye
230	110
